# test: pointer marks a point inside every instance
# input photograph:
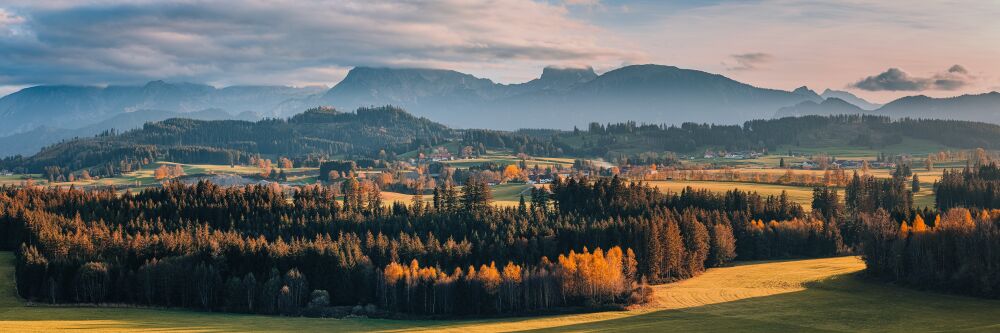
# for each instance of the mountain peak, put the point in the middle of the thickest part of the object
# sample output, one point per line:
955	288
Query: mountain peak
829	106
156	83
553	73
807	93
850	98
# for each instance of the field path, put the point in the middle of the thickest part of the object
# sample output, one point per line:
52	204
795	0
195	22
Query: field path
817	295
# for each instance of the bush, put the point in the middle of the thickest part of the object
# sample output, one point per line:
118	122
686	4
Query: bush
92	282
319	299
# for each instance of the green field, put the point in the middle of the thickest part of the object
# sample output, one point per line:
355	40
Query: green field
782	296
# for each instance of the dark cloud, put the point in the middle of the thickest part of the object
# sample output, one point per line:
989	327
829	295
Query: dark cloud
249	42
895	79
748	61
958	69
892	80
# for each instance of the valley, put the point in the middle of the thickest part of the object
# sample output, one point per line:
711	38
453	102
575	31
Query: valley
499	166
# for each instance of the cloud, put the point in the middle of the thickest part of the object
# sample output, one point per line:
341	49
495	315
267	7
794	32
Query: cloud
8	18
261	41
748	61
958	69
582	2
8	21
895	79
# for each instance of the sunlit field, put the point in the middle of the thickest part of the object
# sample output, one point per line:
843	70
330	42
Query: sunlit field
790	296
799	194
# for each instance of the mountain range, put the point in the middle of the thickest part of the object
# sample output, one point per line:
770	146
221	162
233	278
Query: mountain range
560	98
30	142
980	107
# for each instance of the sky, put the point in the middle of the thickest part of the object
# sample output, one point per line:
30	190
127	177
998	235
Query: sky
878	50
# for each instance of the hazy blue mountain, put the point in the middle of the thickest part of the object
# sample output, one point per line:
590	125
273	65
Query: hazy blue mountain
981	107
829	106
562	98
72	107
30	142
808	93
850	98
556	79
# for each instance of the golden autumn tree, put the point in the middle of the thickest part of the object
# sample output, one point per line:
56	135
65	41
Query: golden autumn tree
511	277
918	224
285	163
160	173
511	172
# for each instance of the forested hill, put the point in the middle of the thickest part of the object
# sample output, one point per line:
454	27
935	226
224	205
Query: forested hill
629	139
384	132
320	131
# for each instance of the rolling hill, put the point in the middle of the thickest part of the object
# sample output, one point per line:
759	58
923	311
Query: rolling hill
370	132
317	131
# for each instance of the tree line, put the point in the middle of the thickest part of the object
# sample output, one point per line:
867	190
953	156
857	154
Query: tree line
258	249
972	187
957	251
955	247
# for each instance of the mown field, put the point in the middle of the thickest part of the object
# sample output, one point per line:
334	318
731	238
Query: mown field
819	295
505	195
144	177
799	194
541	162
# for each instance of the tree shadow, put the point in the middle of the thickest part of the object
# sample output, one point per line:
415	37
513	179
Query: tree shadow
844	303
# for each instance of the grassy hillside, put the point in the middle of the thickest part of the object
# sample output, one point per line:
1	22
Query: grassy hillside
799	296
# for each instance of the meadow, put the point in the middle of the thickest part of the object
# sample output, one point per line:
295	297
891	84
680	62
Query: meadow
799	194
791	296
504	195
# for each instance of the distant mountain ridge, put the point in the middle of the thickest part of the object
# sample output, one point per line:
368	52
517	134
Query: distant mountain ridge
560	98
829	106
808	93
850	98
30	142
980	107
74	107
